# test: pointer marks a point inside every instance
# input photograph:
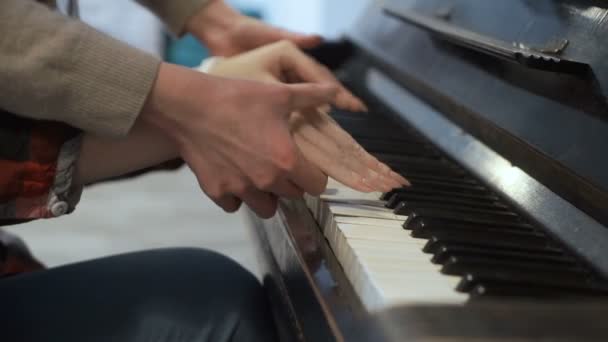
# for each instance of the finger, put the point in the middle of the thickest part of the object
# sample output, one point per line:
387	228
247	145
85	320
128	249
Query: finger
262	203
304	68
346	142
229	203
308	41
310	95
303	41
287	189
329	166
308	177
345	163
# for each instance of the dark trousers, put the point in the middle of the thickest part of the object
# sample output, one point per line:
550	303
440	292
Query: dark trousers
185	295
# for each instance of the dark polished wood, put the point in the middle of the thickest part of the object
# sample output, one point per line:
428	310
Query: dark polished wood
312	296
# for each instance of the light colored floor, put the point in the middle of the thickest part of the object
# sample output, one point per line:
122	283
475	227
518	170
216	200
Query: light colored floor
163	209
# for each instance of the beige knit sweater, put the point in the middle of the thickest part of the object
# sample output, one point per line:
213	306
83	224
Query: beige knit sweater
56	68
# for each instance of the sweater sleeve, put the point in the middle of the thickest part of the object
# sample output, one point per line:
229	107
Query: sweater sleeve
60	69
174	13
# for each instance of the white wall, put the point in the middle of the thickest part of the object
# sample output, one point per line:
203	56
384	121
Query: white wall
327	17
125	20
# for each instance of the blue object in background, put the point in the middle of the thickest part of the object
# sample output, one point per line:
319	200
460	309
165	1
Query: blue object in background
188	52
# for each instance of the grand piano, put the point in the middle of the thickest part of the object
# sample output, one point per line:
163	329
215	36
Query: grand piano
496	111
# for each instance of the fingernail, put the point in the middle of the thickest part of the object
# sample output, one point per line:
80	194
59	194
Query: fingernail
363	107
401	179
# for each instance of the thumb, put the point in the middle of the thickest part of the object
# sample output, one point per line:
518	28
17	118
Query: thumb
311	95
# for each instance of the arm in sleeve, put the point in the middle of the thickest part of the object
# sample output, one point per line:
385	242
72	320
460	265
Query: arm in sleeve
174	13
57	68
37	166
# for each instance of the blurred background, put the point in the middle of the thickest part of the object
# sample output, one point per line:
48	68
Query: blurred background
165	209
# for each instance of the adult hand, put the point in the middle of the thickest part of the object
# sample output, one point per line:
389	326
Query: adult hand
338	154
284	62
226	32
320	138
234	135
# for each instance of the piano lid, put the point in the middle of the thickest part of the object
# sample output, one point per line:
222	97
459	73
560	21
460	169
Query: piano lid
467	58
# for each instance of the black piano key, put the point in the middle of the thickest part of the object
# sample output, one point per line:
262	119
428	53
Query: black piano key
418	199
426	228
482	217
425	176
441	194
408	207
449	186
398	148
552	280
433	166
425	231
460	265
372	129
489	240
537	292
446	251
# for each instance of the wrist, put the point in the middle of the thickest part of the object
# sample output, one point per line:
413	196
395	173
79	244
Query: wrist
178	98
163	100
215	19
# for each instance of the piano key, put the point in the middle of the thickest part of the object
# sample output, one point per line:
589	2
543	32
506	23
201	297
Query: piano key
433	166
441	193
490	289
422	230
478	217
553	280
450	186
363	128
359	210
419	176
460	265
489	241
399	148
408	207
470	224
446	251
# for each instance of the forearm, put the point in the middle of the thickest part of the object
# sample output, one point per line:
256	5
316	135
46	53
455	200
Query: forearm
56	68
103	158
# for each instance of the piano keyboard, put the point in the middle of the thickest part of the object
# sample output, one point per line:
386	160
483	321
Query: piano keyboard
447	239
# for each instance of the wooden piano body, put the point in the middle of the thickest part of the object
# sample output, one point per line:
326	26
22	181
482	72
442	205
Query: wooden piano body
497	112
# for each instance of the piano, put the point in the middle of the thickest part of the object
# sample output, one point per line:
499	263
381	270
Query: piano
496	111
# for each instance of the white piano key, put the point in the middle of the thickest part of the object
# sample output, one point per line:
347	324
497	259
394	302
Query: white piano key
340	193
358	210
385	265
386	273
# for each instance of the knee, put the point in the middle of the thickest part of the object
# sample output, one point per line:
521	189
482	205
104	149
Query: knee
207	265
195	269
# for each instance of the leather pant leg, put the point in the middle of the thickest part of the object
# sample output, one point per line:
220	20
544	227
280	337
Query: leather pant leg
171	295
